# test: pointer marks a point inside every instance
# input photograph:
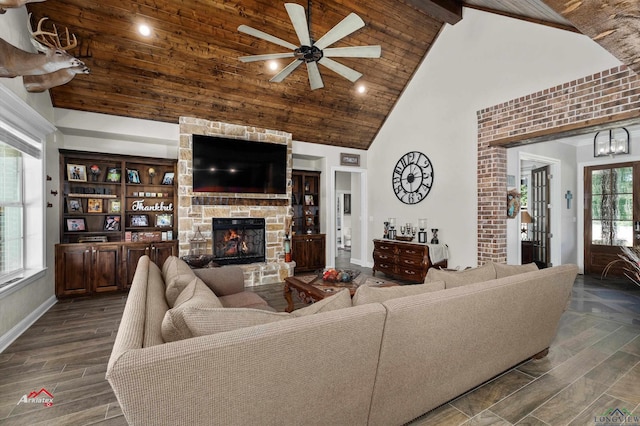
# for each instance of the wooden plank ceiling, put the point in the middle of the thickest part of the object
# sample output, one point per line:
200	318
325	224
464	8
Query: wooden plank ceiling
189	65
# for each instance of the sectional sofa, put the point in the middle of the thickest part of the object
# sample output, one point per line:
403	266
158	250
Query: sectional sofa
182	356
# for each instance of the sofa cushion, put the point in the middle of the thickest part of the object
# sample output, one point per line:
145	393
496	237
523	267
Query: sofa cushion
191	321
223	281
370	294
340	300
177	275
504	270
452	279
155	308
197	294
244	299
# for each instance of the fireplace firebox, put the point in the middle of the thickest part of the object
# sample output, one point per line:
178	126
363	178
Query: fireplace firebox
237	241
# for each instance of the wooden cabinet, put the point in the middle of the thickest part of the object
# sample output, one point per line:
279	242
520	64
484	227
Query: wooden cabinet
132	252
115	209
84	269
527	252
308	251
305	201
404	260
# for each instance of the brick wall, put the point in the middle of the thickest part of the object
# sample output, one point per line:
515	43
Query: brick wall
605	94
196	210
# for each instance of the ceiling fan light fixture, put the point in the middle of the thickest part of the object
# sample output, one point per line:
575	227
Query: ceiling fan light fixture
273	65
361	88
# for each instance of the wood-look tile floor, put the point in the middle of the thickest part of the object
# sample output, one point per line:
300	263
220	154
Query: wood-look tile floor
593	366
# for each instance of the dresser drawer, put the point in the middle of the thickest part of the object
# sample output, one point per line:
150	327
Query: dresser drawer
411	262
411	252
409	274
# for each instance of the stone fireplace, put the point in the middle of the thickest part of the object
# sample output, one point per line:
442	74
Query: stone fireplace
197	210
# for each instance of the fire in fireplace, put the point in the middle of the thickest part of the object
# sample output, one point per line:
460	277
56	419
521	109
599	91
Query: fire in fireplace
239	240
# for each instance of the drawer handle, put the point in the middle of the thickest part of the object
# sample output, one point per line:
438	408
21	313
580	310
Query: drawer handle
406	271
384	247
382	265
409	262
383	257
411	251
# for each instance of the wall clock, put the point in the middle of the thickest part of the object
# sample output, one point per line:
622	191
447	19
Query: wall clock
412	177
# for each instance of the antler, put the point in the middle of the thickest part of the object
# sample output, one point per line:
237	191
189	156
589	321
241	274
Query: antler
52	39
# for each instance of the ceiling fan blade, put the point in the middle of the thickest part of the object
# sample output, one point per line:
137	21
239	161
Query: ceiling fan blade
353	52
299	20
348	73
266	57
268	37
286	71
345	27
315	80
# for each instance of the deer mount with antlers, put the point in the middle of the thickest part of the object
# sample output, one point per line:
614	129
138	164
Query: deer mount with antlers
12	4
52	67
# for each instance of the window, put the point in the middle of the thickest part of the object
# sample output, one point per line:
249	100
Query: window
22	185
11	211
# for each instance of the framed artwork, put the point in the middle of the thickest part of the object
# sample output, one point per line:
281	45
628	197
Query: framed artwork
347	204
76	173
308	200
76	224
139	220
112	223
94	205
349	159
164	220
114	206
167	179
113	174
133	176
74	205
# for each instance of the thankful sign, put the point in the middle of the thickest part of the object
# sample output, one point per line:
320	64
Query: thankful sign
139	206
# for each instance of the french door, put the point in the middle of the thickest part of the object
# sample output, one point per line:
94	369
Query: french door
612	214
539	211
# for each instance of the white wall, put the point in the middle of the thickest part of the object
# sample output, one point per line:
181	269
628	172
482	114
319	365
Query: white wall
481	61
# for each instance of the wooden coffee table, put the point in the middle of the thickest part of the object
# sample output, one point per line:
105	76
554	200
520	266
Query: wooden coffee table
311	288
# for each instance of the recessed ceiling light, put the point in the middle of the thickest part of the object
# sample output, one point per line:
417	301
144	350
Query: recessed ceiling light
273	65
144	29
361	88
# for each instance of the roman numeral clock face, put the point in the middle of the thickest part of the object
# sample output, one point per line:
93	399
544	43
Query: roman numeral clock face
412	177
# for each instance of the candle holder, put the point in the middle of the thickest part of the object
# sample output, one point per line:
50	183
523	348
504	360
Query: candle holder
152	174
434	240
392	228
422	235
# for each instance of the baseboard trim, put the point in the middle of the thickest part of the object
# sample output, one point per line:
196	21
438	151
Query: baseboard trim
10	336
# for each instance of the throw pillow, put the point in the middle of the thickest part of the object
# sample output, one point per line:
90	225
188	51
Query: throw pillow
223	281
452	279
177	275
368	294
187	321
340	300
504	270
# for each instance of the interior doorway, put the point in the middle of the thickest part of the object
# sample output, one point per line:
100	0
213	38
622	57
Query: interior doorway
347	229
540	182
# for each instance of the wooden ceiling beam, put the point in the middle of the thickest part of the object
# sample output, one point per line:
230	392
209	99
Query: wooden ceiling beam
613	25
449	11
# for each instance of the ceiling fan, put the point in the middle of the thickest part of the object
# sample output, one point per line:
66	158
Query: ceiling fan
313	52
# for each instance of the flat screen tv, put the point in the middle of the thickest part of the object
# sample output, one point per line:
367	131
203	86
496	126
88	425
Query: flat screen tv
236	165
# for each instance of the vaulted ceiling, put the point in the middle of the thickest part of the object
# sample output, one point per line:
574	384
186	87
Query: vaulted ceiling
189	64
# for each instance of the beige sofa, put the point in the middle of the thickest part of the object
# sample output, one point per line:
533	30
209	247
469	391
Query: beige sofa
384	358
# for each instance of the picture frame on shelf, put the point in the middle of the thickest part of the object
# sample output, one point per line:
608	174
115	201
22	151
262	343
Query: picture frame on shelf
74	205
167	179
94	205
164	220
112	223
77	224
133	176
113	174
114	206
76	173
308	200
139	220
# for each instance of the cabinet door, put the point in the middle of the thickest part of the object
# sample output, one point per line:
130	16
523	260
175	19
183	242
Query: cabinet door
316	254
106	268
161	251
73	269
299	252
131	254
